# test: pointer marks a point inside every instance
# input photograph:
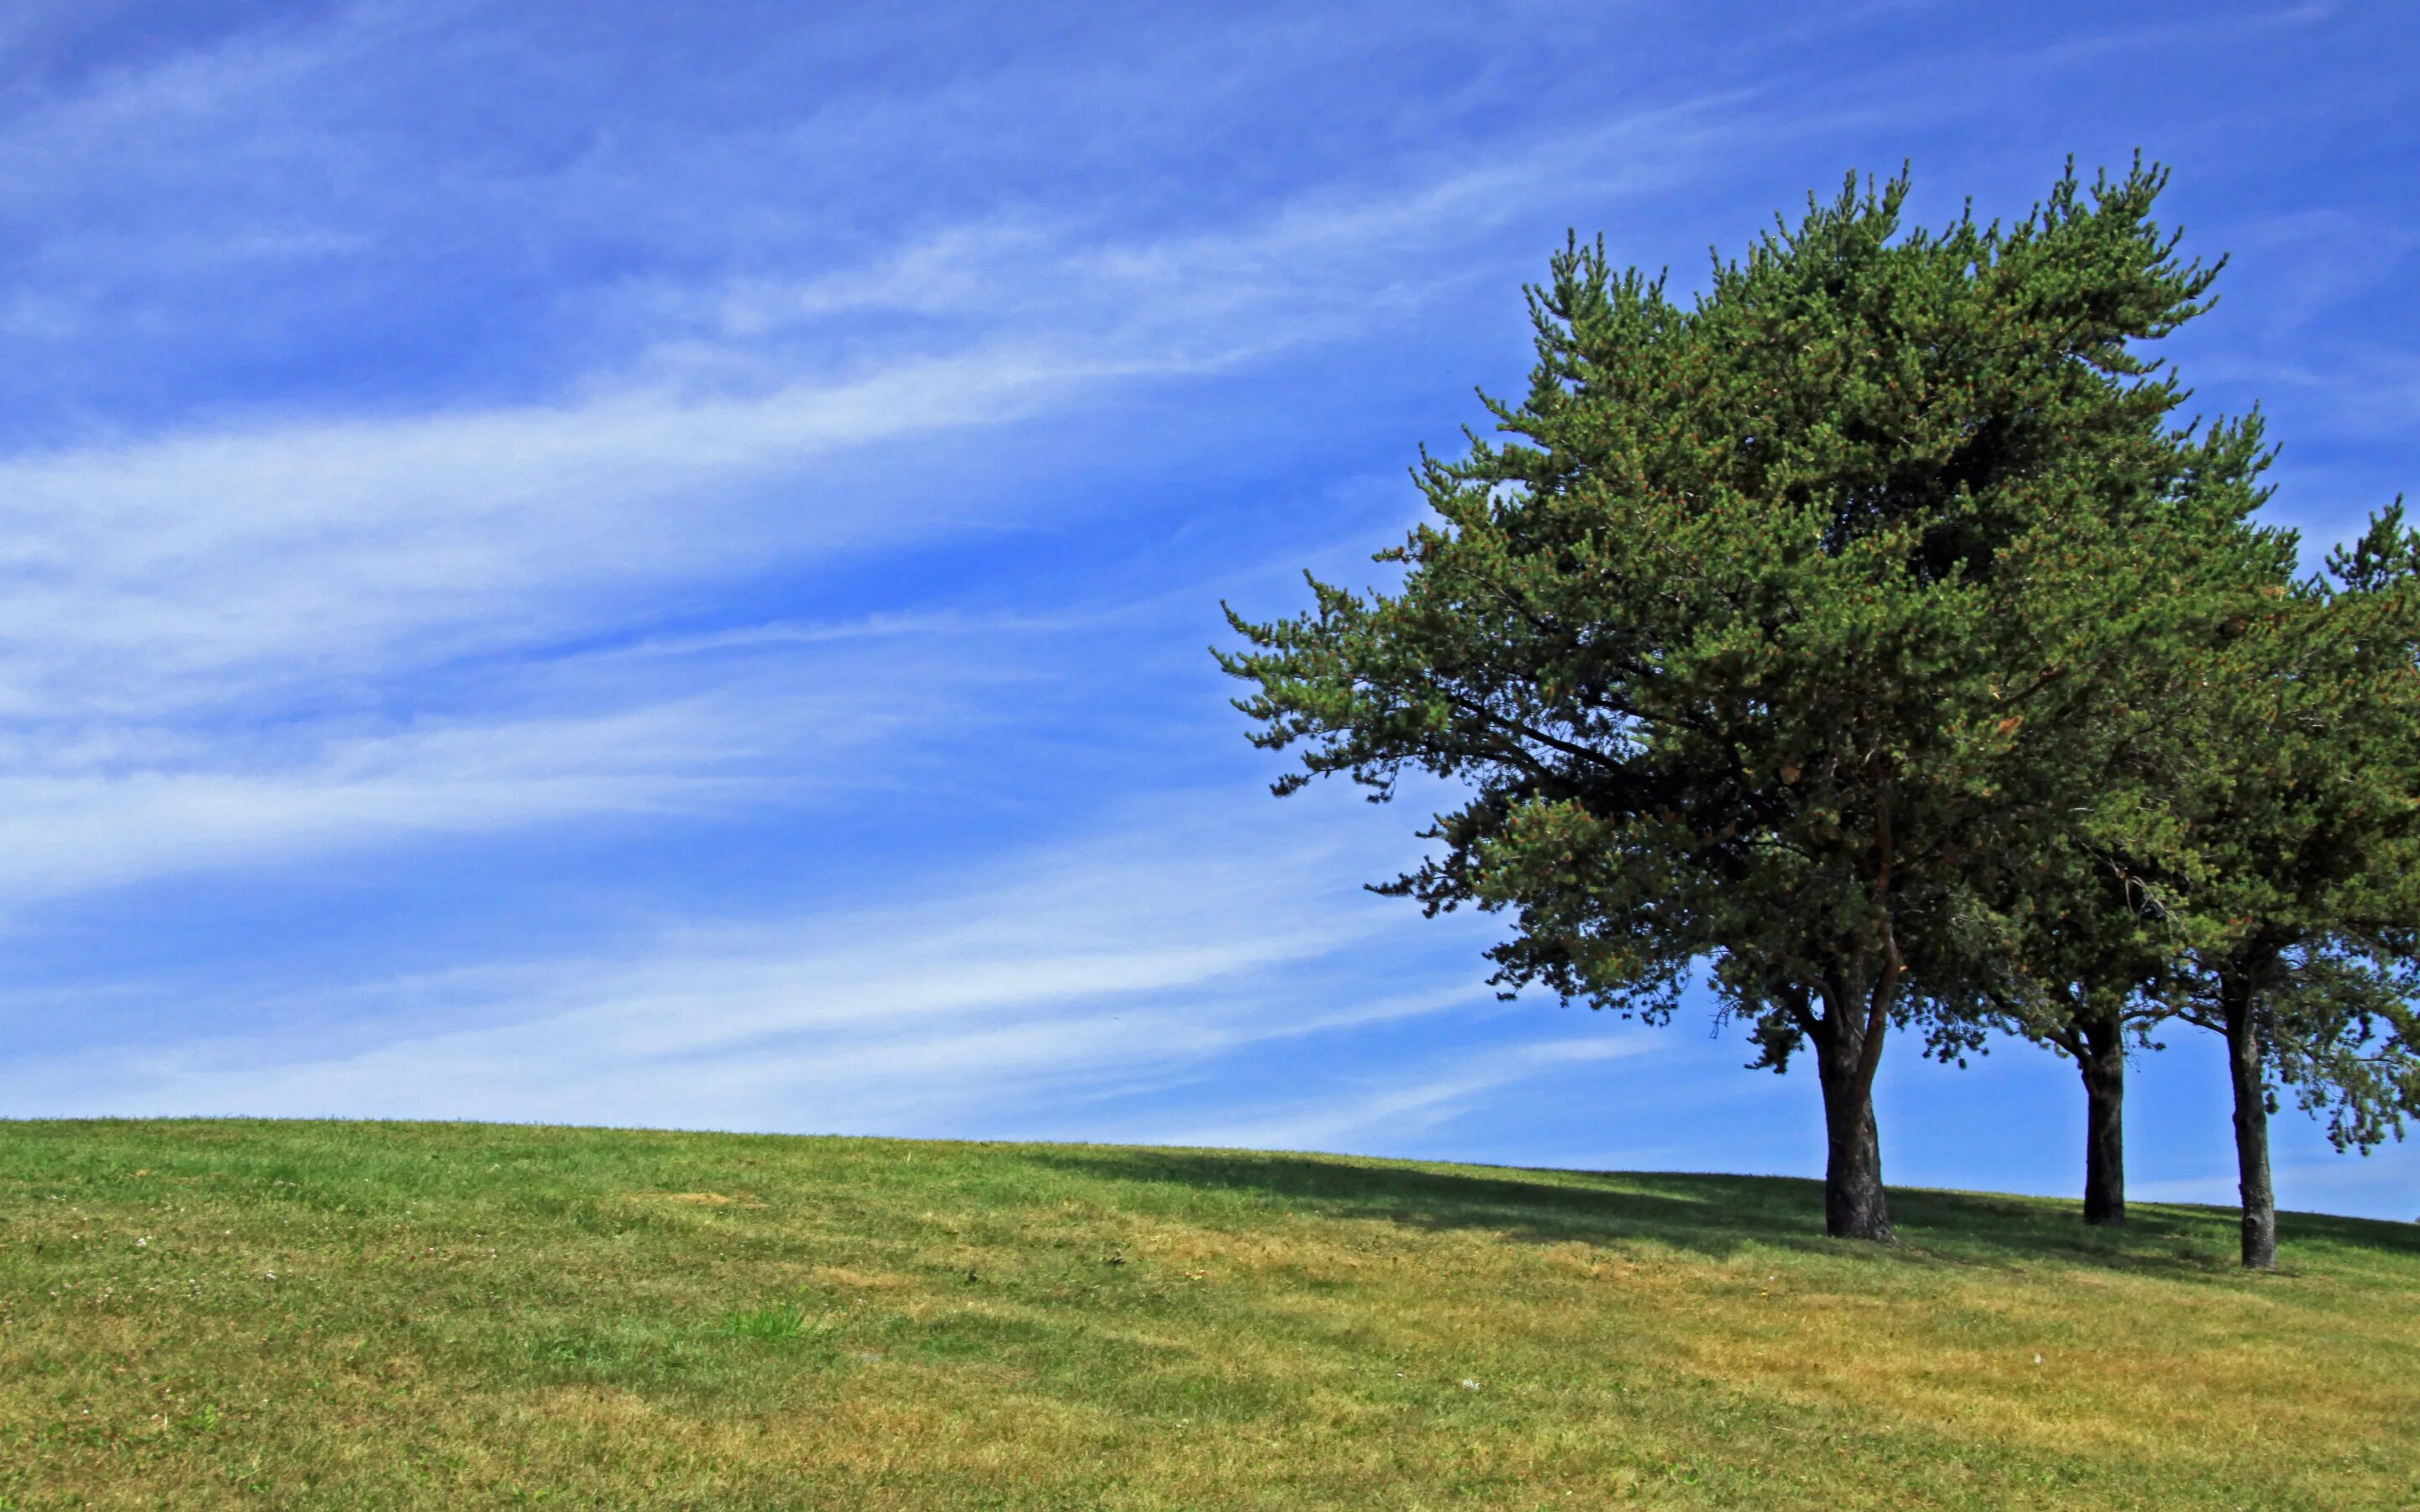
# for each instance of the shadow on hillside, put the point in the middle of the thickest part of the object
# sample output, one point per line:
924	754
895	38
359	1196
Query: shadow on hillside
1717	1216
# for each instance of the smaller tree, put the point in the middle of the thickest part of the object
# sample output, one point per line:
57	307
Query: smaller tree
2301	857
2092	952
2096	935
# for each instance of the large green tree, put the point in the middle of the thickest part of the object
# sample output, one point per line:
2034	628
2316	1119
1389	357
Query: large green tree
1780	632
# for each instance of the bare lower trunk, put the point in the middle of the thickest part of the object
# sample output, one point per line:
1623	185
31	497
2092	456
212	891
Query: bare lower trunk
2251	1123
2103	1061
1853	1207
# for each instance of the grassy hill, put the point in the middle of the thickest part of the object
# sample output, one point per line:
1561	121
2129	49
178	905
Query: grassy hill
223	1314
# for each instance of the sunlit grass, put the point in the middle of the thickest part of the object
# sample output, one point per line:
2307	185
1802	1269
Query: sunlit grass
223	1314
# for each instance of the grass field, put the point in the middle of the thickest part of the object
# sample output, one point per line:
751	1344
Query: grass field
224	1314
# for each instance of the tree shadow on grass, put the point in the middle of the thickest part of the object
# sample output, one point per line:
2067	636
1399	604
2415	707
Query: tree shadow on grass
1719	1215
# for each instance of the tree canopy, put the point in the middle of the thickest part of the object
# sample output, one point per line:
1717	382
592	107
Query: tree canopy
1791	623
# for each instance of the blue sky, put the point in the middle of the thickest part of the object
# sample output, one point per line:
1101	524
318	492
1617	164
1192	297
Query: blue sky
650	565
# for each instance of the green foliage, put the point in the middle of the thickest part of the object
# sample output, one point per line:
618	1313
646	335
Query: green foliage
1795	628
2299	783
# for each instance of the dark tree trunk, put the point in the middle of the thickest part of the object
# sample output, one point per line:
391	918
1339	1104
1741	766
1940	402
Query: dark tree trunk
2101	1058
1853	1207
2236	992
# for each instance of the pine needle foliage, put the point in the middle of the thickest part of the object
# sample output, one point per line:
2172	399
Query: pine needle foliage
2297	789
2101	929
1787	624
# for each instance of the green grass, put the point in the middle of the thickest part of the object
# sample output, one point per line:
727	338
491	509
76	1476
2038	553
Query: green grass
320	1315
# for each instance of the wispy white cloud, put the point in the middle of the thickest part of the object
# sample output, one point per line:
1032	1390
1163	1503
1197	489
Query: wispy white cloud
1403	1108
792	718
1329	260
185	570
1060	980
181	808
185	567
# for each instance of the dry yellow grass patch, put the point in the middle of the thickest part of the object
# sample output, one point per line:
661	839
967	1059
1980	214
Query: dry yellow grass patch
700	1199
